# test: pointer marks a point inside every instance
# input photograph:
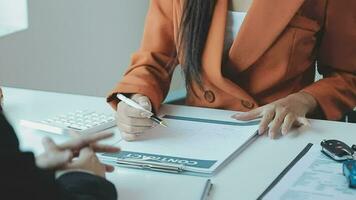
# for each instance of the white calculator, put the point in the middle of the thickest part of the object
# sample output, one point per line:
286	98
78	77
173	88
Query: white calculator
82	122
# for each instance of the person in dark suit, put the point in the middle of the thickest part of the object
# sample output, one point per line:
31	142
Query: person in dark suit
69	171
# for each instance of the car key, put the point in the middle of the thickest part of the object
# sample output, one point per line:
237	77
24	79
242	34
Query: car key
337	150
354	147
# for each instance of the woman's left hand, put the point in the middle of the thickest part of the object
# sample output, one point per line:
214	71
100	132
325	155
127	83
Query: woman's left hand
282	114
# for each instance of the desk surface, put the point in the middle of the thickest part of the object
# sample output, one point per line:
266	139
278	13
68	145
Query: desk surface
245	177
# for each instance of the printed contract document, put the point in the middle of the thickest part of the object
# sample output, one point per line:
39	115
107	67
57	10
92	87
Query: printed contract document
193	144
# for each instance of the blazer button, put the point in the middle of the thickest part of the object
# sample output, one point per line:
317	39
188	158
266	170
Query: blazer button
209	96
247	104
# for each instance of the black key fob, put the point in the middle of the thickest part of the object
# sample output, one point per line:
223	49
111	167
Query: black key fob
337	150
354	147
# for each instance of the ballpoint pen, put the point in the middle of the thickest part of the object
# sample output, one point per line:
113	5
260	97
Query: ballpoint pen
206	191
132	103
144	164
149	165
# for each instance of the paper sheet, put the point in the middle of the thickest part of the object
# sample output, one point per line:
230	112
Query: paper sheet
314	177
208	143
140	185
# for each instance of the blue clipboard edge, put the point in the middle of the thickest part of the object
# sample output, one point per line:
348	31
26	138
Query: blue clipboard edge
254	137
286	170
212	121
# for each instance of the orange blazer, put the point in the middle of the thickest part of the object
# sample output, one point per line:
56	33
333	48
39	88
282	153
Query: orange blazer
274	55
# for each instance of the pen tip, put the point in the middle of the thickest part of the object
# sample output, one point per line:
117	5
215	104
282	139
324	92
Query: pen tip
163	124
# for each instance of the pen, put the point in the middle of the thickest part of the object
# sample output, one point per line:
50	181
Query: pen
132	103
206	191
161	167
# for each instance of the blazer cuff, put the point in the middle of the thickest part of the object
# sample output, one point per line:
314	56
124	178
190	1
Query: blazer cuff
329	104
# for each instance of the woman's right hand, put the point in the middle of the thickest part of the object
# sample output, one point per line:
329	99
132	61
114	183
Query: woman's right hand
132	121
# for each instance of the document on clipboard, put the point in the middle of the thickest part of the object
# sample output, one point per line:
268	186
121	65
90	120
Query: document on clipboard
187	145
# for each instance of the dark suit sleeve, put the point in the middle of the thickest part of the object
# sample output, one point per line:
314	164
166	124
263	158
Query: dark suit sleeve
84	186
20	178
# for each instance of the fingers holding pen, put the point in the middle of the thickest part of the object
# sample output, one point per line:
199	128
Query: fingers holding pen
132	121
130	111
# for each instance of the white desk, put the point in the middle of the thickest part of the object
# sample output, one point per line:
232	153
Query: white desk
246	177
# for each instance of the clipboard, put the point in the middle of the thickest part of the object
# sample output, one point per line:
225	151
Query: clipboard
185	147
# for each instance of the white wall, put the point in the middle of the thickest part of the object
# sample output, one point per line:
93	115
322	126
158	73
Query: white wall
74	46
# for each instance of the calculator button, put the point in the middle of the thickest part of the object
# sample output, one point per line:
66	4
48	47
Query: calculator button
81	121
75	127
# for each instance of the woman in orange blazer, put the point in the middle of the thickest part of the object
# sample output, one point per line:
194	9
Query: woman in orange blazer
267	72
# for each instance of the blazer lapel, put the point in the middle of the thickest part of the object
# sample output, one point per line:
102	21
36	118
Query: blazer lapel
265	20
213	51
212	55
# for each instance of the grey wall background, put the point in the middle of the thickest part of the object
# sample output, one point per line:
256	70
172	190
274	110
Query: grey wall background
74	46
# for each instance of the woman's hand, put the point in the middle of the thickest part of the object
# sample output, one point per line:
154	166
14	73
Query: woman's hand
132	121
282	114
58	156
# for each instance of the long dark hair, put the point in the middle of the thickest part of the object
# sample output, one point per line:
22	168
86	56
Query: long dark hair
194	28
